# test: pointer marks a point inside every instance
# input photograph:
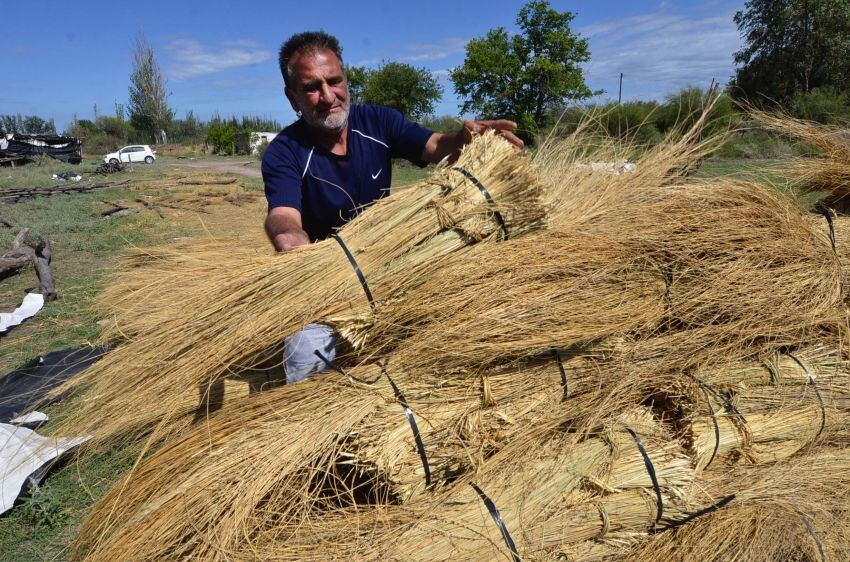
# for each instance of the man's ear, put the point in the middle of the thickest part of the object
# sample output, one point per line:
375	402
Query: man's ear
290	95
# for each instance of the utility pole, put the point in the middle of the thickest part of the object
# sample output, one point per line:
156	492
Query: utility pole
620	96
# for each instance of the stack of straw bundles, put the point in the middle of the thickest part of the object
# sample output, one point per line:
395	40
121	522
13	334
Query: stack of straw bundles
550	467
767	412
244	305
186	497
350	444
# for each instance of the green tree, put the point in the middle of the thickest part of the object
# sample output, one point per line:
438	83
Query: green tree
222	137
792	46
522	76
149	110
412	91
27	124
356	76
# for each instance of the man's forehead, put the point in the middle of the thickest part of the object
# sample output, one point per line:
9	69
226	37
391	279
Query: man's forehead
305	61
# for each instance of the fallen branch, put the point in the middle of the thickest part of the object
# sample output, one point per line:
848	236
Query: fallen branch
207	182
16	194
21	254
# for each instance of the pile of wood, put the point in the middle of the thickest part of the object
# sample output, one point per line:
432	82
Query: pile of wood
590	367
15	194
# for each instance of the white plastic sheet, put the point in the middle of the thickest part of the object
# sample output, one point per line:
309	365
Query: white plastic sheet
33	302
24	456
33	418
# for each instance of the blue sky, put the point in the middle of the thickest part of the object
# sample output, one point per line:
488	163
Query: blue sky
61	58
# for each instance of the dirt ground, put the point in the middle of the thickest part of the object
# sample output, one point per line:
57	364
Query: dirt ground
235	167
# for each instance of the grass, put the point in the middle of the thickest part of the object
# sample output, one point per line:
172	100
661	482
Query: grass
85	246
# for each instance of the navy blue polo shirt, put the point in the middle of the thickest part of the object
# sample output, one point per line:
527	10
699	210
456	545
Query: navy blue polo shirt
330	189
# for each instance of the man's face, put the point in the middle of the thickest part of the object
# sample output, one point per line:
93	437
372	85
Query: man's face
319	90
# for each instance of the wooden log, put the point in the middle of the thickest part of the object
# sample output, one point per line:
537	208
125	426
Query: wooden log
207	182
21	254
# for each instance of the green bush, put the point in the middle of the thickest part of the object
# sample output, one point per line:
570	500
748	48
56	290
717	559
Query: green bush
222	137
442	123
824	105
632	120
261	150
757	144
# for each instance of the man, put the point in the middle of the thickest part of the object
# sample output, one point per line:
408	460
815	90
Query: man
335	159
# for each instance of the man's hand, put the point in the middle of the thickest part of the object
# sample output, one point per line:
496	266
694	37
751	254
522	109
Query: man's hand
503	128
441	145
283	225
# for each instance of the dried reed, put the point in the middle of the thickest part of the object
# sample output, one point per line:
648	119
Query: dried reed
829	172
742	267
765	413
343	457
557	488
788	511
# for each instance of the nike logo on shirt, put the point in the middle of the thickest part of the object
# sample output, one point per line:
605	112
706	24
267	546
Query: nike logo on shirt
376	174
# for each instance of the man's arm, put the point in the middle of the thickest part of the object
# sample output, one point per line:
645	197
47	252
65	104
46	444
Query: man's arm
283	225
441	145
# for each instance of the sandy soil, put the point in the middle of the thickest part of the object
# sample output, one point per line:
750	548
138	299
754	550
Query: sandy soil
235	167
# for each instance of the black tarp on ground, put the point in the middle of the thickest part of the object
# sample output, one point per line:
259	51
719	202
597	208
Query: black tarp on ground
27	386
66	149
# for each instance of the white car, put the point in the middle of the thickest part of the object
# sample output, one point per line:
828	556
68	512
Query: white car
135	153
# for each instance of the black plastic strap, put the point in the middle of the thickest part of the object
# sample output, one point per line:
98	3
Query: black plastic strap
716	427
710	509
494	513
333	366
829	219
667	274
774	375
486	195
727	404
564	382
356	267
420	446
817	393
814	535
659	502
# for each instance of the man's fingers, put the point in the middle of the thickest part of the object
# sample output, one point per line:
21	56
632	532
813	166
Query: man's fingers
512	138
503	127
499	124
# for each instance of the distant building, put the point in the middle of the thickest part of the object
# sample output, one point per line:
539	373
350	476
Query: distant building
259	138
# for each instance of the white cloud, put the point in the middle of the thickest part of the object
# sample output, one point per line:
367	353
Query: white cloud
661	51
442	49
421	52
193	59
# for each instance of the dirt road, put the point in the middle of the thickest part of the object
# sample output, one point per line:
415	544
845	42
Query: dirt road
233	166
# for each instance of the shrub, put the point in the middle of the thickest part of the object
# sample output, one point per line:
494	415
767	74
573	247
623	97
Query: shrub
442	123
824	105
222	137
261	150
633	120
